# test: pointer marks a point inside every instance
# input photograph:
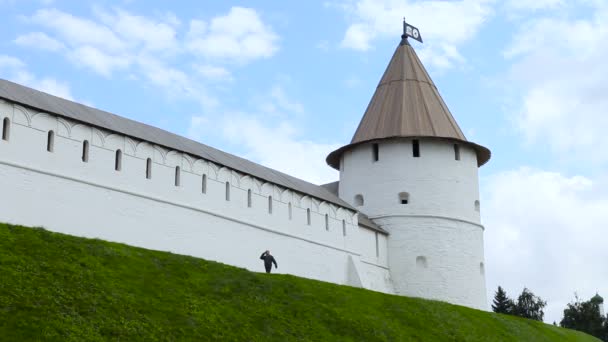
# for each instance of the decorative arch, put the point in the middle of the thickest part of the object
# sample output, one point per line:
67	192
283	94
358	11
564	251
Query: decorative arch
65	126
81	132
21	115
173	158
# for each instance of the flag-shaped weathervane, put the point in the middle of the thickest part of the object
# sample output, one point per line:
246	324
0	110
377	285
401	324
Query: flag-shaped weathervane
411	31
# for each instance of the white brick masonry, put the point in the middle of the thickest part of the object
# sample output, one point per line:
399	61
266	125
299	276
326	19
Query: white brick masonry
60	192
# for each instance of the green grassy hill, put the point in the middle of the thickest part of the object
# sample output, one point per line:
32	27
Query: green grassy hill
56	287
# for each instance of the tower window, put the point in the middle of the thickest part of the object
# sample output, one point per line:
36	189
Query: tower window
477	205
177	176
416	148
343	227
149	168
50	141
6	126
204	184
249	198
227	191
404	197
359	200
456	152
308	216
421	262
118	160
326	222
482	269
270	204
289	210
375	152
85	151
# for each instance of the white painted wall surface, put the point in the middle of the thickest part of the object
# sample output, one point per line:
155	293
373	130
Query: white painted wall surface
62	193
440	221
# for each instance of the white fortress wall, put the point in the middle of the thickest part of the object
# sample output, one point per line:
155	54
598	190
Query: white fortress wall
435	248
60	192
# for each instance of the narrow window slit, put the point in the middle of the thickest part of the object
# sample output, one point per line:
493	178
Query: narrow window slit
177	176
149	168
118	160
50	141
308	216
416	148
227	191
456	152
6	129
289	210
375	152
204	184
270	204
377	246
249	198
85	151
343	227
326	222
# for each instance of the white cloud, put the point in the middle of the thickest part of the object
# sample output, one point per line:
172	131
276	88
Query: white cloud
444	25
269	135
16	70
544	230
117	42
78	31
241	35
175	82
10	62
151	34
214	73
559	67
537	5
39	40
97	60
273	144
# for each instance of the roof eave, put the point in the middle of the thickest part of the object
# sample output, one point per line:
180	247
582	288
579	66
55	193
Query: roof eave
483	153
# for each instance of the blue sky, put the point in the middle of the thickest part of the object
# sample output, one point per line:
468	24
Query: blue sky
284	83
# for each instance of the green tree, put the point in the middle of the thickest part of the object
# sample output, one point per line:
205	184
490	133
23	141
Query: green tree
585	317
502	303
529	306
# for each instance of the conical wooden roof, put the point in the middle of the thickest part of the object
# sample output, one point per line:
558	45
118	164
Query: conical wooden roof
407	104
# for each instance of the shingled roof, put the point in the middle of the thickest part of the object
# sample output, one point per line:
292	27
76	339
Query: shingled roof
407	104
44	102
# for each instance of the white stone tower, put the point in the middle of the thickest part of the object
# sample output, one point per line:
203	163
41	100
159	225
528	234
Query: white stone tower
411	170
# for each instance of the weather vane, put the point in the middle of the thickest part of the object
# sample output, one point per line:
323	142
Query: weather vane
410	31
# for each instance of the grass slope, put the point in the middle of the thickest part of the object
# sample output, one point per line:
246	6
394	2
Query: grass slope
65	288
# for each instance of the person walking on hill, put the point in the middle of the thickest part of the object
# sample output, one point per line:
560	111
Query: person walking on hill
268	261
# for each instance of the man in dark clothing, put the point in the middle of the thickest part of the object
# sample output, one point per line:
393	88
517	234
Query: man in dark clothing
268	261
